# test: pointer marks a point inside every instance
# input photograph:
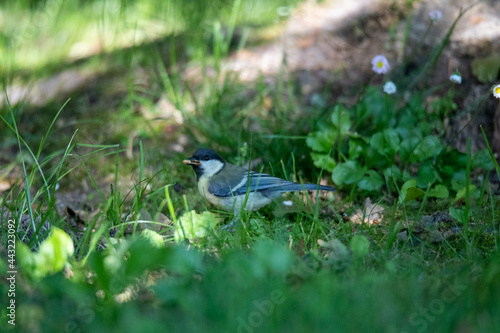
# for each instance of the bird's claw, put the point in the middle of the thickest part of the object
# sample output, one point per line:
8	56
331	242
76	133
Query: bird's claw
230	226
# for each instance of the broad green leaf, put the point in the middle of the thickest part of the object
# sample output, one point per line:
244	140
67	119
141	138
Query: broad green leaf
429	147
413	193
409	191
407	147
360	246
377	105
322	141
371	182
143	254
55	250
26	258
391	137
323	161
192	225
458	179
452	158
338	250
482	160
486	69
439	191
375	160
377	142
349	172
357	148
341	119
52	255
407	176
386	142
426	174
153	237
459	215
392	172
463	191
409	183
440	105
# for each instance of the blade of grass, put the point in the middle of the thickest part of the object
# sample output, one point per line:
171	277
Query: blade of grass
492	156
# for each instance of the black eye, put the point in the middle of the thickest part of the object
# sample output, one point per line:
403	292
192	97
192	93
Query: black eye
206	158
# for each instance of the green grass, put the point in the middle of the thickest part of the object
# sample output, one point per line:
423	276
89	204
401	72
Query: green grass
123	264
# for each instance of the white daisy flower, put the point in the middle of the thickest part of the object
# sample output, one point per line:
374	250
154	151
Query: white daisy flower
380	64
435	15
456	77
390	88
496	91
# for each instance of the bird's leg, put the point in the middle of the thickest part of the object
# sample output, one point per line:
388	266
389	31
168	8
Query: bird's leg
230	226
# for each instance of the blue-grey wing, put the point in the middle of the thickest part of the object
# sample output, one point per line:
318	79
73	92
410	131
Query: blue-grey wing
231	177
268	185
262	182
232	183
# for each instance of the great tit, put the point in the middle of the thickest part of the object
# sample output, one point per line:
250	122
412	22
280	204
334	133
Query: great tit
226	185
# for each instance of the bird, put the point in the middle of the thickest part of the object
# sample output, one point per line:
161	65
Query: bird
234	188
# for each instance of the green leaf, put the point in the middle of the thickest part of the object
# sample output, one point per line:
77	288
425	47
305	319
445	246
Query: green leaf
153	237
393	140
439	191
409	191
338	250
486	69
374	160
52	255
386	143
459	215
463	191
458	179
142	255
357	148
322	141
26	258
392	172
323	161
407	147
482	160
377	142
426	174
376	105
452	158
349	172
413	193
360	246
371	182
341	119
55	250
192	225
409	183
429	147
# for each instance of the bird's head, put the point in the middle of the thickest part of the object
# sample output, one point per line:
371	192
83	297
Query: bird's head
205	162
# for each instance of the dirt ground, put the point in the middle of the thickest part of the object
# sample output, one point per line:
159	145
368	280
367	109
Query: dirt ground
335	41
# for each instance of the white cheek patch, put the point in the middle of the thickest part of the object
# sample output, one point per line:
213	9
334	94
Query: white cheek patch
211	167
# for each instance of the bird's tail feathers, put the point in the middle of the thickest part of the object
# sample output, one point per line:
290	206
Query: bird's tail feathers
307	187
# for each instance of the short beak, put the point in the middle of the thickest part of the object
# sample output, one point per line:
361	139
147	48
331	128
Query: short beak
191	162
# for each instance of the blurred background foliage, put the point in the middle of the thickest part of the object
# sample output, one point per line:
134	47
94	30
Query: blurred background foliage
40	36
